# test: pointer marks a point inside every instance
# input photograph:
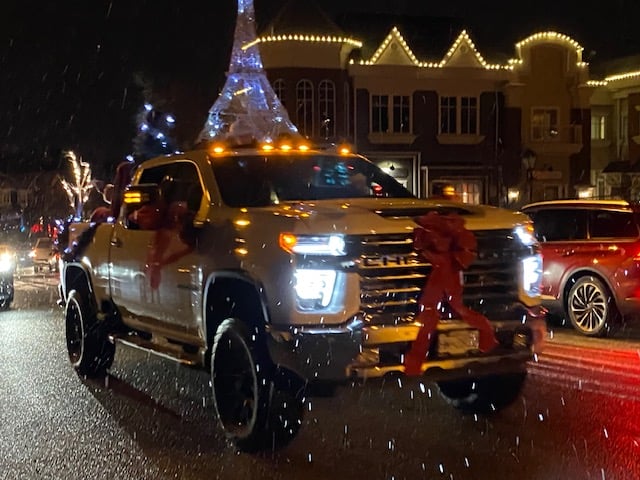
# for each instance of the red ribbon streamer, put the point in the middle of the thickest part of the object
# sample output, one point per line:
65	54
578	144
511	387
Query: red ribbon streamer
444	241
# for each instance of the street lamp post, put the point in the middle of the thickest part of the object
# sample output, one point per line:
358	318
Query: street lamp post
529	163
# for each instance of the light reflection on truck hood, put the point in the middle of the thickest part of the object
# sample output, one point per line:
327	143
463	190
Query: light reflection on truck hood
366	216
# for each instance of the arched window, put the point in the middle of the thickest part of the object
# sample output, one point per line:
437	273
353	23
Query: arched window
327	104
304	107
281	91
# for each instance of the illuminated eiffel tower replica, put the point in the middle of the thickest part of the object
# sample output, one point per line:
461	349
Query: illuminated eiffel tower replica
247	108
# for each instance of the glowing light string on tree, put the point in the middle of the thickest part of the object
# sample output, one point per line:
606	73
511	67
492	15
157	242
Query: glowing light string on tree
247	109
78	190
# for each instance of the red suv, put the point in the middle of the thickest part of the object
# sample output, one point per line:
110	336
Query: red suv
591	260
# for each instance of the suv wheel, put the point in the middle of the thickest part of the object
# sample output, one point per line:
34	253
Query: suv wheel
484	394
89	349
590	306
258	407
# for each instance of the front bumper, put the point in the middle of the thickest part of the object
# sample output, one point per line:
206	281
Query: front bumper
359	350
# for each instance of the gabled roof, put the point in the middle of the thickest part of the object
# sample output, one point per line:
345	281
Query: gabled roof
394	50
429	37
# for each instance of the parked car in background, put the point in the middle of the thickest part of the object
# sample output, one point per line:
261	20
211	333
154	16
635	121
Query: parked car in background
7	270
591	261
24	255
44	255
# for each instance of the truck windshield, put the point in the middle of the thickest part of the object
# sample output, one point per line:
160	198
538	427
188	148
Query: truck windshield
267	180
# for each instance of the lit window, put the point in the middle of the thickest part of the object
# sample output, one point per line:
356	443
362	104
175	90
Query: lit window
466	191
544	123
469	192
598	127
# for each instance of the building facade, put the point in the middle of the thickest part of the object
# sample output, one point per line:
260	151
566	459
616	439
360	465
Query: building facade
615	135
501	133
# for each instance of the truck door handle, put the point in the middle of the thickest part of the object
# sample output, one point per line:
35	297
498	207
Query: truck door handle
116	242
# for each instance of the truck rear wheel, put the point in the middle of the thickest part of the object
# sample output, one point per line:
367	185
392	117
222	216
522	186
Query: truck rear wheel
258	406
89	349
484	394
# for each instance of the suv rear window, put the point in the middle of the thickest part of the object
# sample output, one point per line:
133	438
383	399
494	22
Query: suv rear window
566	224
612	224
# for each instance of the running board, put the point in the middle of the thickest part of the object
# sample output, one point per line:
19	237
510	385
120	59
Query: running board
168	351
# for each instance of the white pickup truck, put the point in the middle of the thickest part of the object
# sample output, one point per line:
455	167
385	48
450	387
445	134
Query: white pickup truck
283	268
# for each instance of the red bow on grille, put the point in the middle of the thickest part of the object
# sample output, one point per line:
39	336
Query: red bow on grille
443	240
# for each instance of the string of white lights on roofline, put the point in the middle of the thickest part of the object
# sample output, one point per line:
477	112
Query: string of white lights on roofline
394	34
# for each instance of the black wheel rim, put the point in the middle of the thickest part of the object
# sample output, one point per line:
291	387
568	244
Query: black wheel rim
235	386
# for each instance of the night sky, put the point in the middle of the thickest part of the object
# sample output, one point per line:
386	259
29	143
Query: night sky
73	74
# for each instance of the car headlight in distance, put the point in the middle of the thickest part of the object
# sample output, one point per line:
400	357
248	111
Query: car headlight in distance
6	262
526	234
532	275
314	288
331	245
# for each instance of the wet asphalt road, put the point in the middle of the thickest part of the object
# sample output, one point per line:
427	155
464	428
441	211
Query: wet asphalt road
578	418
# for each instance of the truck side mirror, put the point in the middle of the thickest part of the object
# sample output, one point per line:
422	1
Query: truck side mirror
141	207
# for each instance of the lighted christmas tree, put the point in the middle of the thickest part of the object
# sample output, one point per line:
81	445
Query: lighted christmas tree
247	109
154	134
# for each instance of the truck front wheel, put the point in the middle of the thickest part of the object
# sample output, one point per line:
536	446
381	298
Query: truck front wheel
89	349
484	394
258	406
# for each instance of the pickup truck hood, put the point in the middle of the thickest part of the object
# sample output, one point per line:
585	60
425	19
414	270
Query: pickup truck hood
376	216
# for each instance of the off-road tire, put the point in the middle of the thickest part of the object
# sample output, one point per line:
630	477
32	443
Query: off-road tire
484	394
259	407
90	351
590	307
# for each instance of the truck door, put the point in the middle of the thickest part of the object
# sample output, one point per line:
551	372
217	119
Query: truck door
156	277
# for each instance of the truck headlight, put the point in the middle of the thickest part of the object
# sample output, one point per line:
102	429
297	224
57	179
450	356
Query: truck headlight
333	245
532	275
526	234
314	288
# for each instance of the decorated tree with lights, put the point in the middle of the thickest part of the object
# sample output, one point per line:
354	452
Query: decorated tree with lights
78	189
247	108
154	133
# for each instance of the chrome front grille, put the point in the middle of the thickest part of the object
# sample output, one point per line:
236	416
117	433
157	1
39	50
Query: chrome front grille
392	276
